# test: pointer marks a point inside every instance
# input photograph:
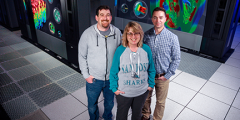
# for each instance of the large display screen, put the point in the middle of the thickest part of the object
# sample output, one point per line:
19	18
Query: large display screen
182	15
137	10
47	17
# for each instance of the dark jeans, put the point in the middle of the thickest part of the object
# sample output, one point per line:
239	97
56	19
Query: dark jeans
136	103
93	91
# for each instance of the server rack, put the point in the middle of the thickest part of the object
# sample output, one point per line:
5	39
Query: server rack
8	16
219	30
75	17
25	21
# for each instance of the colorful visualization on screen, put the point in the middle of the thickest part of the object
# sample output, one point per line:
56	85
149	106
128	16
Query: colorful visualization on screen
124	8
140	9
59	34
25	12
24	3
51	28
182	15
39	13
50	1
57	15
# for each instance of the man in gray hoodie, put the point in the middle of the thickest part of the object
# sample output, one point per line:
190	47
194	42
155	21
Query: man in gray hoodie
96	48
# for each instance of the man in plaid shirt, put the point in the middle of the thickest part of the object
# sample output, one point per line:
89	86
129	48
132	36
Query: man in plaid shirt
166	56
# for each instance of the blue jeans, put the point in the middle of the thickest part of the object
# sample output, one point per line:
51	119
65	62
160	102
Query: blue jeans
93	91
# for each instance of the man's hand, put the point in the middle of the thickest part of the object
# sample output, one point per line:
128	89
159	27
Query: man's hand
162	78
90	79
118	92
150	89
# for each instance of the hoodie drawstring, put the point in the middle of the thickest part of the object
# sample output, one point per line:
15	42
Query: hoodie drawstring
114	34
97	40
107	37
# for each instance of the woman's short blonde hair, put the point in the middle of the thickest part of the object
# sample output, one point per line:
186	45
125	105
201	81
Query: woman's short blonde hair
136	29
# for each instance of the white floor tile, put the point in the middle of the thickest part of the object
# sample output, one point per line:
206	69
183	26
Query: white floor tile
114	110
130	117
236	102
190	81
153	103
236	38
82	96
233	62
36	57
208	107
188	114
235	55
101	108
230	70
237	49
238	46
172	109
64	109
9	35
100	97
180	94
225	80
21	45
83	116
233	114
201	106
219	92
154	91
234	44
5	49
177	72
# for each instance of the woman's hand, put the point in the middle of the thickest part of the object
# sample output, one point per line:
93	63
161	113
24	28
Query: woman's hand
150	89
118	92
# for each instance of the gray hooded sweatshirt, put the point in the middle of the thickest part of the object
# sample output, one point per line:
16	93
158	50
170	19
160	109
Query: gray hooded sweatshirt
95	52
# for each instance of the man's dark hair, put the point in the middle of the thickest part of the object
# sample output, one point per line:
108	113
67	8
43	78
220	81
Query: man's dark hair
159	9
105	7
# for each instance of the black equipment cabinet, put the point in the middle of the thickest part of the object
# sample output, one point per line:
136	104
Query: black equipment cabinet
25	21
8	16
73	18
78	19
81	15
219	30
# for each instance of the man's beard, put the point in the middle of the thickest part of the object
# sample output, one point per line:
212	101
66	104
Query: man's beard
105	24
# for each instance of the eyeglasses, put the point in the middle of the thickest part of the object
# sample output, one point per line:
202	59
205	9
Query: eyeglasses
131	34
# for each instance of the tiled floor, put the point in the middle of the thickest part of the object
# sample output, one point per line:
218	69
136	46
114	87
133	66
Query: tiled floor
35	85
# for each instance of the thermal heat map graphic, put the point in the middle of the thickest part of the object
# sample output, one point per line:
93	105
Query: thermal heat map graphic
39	13
51	28
182	15
139	9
